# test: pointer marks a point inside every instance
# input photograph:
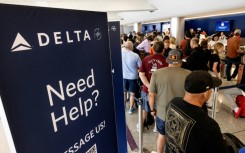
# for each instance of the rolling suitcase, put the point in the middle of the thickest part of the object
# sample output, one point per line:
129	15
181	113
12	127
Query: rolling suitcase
232	142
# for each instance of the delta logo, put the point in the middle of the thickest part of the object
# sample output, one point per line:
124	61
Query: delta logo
20	44
58	38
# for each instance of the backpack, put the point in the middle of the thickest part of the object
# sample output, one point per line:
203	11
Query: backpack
149	120
232	142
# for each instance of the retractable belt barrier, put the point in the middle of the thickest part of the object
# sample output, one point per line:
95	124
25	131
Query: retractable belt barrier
232	86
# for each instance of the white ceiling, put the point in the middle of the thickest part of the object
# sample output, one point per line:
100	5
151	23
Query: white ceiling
133	11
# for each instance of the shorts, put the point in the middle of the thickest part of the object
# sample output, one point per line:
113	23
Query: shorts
129	85
160	126
146	106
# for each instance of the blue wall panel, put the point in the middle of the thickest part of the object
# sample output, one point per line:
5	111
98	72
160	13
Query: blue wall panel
208	24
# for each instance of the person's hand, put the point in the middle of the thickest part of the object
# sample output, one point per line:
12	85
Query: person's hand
153	112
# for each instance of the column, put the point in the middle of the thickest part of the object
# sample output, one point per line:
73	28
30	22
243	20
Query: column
177	26
138	27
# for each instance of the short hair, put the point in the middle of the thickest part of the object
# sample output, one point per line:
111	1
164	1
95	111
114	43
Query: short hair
129	45
237	31
166	37
195	41
204	43
150	38
158	47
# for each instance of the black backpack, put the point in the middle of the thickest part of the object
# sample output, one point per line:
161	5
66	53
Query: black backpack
149	120
232	142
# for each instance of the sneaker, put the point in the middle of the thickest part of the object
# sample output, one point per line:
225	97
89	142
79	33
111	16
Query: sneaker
155	129
131	110
237	114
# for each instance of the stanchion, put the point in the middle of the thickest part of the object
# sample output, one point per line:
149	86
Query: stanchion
140	125
215	102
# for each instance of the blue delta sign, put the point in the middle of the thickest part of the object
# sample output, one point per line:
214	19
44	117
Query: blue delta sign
56	81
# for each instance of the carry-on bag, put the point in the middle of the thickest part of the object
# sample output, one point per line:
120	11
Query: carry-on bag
232	142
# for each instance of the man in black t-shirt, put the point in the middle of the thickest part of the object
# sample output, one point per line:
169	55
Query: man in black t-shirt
188	128
198	59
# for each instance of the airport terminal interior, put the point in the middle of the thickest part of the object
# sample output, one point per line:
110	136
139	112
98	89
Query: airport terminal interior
203	20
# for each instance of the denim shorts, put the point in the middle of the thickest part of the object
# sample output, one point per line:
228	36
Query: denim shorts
146	106
160	125
129	85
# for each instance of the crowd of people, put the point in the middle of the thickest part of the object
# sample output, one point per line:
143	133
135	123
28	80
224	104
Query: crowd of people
177	82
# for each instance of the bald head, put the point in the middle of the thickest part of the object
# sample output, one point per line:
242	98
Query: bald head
129	45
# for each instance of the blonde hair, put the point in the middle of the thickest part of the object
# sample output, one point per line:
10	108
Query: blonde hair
217	46
172	40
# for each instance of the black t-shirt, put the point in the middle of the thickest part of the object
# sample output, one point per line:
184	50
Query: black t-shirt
197	60
214	58
166	51
190	130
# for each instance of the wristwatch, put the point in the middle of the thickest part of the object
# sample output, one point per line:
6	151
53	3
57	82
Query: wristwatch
153	110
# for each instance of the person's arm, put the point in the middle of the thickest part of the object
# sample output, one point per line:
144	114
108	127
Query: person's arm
144	79
141	45
182	45
190	62
237	46
215	65
139	62
152	93
151	99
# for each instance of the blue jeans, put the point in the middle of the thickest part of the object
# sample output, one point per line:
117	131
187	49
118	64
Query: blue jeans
230	61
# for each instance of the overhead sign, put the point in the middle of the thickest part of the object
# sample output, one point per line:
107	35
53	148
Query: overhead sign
222	25
56	81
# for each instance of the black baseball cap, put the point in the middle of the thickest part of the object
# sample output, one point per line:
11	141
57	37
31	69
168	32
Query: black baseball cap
200	81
